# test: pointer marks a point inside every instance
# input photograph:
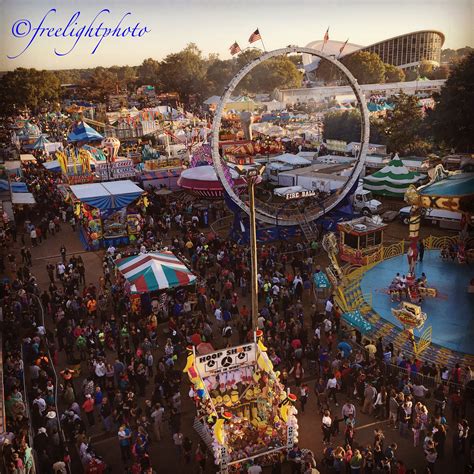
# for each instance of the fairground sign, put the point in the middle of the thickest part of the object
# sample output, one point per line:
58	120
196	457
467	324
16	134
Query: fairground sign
300	194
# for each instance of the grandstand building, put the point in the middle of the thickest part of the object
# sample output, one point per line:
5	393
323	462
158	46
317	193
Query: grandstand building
404	51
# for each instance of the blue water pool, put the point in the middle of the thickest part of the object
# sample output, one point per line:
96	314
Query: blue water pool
451	314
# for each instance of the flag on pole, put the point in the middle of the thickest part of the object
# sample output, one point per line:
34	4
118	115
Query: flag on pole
235	48
326	36
255	36
343	46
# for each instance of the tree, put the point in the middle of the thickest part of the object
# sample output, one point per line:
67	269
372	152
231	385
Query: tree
452	119
126	75
275	73
218	75
28	88
184	72
101	84
342	125
404	127
148	72
441	72
393	73
367	67
425	69
345	125
327	72
411	75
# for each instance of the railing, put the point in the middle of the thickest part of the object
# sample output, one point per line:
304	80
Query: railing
222	224
433	242
418	378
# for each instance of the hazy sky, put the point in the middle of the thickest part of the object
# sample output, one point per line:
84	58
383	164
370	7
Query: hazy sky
214	25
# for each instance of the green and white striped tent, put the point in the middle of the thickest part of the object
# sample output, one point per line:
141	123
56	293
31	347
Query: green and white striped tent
392	180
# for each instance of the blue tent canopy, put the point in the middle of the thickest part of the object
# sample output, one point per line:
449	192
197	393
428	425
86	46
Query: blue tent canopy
52	166
19	187
39	144
84	133
107	196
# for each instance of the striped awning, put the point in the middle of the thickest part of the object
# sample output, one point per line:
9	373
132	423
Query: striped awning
154	271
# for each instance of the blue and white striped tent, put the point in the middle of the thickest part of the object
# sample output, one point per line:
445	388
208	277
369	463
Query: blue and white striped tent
107	196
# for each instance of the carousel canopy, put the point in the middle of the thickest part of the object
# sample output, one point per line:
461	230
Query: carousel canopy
457	185
392	180
104	196
83	133
154	271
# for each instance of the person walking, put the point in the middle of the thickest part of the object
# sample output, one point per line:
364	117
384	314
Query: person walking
304	394
326	427
178	443
421	250
88	407
125	435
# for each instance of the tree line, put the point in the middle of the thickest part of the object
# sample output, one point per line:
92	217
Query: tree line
410	130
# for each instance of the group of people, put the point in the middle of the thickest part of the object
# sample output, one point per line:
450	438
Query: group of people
123	358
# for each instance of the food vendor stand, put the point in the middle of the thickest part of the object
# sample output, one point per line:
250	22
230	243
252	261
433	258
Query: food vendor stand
243	411
106	212
360	239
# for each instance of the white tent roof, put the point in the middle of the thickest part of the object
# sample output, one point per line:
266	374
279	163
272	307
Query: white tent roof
25	157
292	159
212	100
23	198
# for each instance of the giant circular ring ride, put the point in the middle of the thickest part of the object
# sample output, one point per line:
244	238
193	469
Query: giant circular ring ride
265	212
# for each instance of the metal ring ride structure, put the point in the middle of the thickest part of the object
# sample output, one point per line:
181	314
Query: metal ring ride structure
264	212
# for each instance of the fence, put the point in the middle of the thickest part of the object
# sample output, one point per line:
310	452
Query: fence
417	378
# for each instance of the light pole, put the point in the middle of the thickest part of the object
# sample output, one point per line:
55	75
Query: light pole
252	177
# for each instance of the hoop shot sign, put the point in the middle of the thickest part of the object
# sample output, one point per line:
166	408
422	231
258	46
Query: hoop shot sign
226	359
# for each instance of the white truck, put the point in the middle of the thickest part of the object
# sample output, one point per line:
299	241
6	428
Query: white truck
364	202
445	219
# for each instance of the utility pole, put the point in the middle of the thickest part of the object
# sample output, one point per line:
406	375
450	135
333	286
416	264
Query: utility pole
253	177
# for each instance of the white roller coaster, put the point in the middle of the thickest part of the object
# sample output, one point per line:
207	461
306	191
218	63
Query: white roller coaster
271	214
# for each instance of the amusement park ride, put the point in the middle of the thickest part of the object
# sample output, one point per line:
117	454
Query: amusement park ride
256	419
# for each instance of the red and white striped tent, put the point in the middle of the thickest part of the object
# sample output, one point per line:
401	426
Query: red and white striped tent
154	271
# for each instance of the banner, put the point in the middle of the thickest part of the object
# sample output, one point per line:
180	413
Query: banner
225	360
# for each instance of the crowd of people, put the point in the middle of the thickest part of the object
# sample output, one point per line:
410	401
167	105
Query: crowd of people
123	359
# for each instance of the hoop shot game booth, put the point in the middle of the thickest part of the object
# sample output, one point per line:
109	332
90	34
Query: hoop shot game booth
243	411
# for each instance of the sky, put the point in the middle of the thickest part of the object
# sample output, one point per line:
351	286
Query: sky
214	25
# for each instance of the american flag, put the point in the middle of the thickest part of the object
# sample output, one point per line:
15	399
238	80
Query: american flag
255	36
235	48
343	46
326	36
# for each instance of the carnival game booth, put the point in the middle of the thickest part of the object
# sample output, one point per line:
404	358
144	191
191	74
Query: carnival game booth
149	275
360	239
243	411
107	213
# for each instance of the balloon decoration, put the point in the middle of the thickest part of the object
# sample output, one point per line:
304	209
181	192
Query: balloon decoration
111	147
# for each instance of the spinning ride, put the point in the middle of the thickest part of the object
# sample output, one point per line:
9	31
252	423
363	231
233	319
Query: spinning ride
265	212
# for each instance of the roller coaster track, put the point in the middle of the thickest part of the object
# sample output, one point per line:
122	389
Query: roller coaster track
267	213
